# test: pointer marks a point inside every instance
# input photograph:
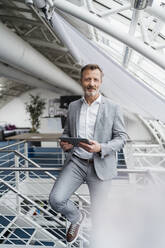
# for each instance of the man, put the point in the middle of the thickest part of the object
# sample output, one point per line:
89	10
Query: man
98	119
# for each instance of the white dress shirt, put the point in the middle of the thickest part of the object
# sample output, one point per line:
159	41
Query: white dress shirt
87	120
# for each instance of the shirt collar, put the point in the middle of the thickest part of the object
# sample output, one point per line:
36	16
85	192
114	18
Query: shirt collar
98	100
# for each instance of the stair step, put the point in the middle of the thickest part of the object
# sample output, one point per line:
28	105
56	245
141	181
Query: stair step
59	233
23	233
15	241
45	243
5	220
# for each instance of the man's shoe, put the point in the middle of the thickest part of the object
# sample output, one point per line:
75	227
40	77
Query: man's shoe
74	229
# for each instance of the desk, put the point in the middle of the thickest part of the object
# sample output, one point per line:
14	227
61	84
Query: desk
49	137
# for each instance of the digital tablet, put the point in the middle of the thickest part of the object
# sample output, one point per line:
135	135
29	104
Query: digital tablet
74	141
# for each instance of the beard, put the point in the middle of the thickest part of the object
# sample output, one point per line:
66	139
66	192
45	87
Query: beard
91	93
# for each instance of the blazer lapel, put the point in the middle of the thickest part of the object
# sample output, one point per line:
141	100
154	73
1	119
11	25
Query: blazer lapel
99	118
78	116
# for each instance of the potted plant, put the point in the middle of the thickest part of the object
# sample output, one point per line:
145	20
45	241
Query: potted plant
35	108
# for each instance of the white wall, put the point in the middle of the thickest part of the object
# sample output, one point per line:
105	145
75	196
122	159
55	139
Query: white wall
14	112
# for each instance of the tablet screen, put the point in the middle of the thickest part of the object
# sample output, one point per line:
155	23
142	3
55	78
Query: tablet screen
74	141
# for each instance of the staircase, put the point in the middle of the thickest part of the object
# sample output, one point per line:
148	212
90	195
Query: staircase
157	129
26	218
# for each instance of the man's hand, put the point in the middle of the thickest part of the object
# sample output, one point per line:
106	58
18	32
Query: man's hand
94	146
66	146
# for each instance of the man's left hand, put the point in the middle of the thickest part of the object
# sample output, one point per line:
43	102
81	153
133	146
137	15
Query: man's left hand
94	146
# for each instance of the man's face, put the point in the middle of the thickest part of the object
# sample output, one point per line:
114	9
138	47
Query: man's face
91	82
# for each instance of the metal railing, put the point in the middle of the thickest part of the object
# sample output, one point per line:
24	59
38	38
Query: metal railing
37	211
27	162
32	216
148	158
25	192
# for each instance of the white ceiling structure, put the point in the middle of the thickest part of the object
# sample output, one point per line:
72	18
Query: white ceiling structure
45	43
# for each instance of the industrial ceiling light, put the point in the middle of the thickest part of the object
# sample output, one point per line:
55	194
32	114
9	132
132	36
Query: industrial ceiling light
29	2
141	4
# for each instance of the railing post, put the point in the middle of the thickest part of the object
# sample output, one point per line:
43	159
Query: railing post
16	159
26	161
130	160
63	157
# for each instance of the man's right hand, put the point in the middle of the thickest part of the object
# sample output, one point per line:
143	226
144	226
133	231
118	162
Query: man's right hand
66	146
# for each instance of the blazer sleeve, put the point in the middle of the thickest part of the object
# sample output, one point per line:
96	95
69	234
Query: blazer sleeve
119	135
66	132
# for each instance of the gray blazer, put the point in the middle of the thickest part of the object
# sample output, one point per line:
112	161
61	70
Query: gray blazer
109	132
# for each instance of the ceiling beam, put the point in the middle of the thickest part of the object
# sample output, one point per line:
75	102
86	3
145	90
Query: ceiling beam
19	54
103	25
115	10
20	20
45	44
63	65
23	78
8	7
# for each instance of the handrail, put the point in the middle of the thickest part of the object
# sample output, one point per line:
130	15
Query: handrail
149	154
145	145
135	170
142	170
28	169
30	161
49	174
15	144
